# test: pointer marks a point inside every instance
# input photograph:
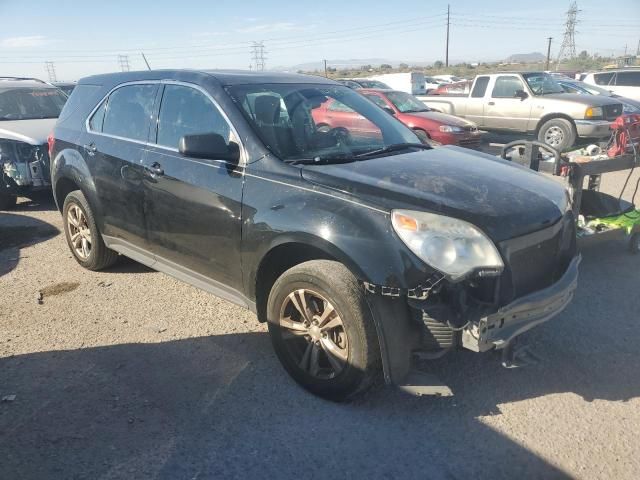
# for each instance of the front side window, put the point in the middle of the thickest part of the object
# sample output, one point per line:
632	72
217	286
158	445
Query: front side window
506	87
628	79
30	103
295	123
129	111
187	111
603	78
480	87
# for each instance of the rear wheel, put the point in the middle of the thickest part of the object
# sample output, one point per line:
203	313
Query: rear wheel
558	133
83	236
7	202
322	331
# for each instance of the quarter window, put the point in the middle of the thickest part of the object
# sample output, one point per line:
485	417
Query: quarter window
480	87
506	87
97	118
187	111
628	79
603	78
129	111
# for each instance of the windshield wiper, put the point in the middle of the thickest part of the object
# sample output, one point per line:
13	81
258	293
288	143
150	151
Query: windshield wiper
417	111
344	158
392	148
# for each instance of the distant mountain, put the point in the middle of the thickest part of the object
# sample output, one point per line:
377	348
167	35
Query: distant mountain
526	58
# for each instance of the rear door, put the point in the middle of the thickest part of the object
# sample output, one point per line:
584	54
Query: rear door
503	109
193	209
627	84
114	145
475	103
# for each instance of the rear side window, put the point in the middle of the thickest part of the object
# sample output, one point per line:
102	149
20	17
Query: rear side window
628	79
506	87
187	111
480	88
128	112
603	78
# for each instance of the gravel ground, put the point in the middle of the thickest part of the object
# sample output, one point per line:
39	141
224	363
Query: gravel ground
128	373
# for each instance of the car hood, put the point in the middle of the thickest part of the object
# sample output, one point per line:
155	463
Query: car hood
441	118
587	100
505	200
33	131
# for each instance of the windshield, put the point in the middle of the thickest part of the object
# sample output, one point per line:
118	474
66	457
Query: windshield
30	103
593	90
406	103
542	83
304	121
373	84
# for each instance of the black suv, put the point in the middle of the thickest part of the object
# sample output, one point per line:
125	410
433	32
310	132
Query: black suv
361	247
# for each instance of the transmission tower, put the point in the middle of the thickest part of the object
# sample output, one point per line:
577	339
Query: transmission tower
123	60
51	71
568	47
258	55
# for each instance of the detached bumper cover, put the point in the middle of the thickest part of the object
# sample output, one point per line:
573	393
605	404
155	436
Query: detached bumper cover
593	128
498	329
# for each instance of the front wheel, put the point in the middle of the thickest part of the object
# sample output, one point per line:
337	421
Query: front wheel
322	330
558	133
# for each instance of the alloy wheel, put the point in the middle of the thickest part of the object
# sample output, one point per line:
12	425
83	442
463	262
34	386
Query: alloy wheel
554	136
314	334
79	232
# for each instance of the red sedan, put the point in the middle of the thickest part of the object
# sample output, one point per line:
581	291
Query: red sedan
443	128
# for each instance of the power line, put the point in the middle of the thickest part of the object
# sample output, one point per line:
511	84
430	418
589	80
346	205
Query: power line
568	47
51	71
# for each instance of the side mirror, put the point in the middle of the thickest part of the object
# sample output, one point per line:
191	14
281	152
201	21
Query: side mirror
210	146
521	94
389	110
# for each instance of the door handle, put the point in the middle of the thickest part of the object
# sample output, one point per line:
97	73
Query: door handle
155	169
91	149
491	103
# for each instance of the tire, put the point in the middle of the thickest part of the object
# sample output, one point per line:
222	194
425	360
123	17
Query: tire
634	244
355	364
7	202
558	133
97	256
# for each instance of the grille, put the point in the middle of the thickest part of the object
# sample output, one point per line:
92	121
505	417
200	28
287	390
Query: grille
611	112
538	260
470	142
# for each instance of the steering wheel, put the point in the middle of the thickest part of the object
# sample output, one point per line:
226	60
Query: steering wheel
525	146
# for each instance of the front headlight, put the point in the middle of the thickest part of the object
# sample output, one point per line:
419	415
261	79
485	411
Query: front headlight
453	246
593	112
451	129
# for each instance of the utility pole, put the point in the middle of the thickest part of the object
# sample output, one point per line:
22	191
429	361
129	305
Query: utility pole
257	55
548	52
446	55
123	60
638	49
568	47
325	69
51	71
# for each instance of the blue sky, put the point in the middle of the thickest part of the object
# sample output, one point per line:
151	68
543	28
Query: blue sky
85	37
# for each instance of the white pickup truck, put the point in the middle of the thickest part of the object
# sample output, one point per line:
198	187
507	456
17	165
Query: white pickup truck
531	103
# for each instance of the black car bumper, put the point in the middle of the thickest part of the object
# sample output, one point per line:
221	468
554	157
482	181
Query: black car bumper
500	328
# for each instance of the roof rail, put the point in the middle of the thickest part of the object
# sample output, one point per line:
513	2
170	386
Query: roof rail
22	78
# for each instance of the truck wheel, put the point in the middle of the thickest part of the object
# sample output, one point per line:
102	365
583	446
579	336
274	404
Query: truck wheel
322	330
7	202
83	236
558	133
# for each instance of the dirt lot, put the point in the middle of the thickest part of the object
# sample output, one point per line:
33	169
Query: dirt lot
129	374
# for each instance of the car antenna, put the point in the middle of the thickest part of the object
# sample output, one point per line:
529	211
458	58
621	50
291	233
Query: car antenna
145	60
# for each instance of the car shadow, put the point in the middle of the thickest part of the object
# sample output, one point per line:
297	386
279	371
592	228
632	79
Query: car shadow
17	232
37	202
221	406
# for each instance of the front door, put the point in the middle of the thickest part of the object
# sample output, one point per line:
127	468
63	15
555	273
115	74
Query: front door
114	147
504	110
193	211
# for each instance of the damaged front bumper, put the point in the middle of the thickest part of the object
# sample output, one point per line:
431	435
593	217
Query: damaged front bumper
500	328
23	168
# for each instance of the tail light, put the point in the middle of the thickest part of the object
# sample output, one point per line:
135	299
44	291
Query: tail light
51	141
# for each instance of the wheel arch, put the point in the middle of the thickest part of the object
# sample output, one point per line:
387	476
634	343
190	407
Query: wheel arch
553	116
